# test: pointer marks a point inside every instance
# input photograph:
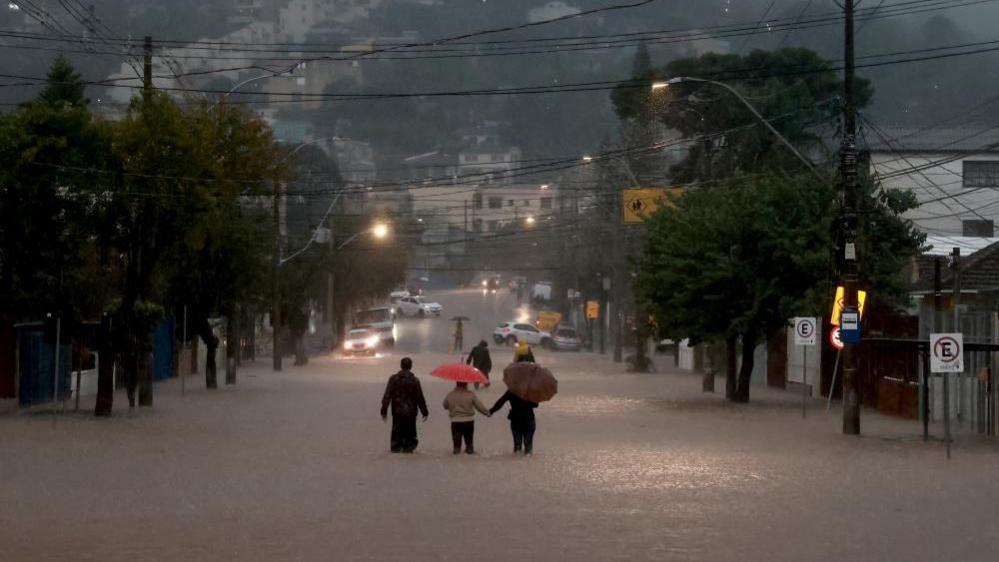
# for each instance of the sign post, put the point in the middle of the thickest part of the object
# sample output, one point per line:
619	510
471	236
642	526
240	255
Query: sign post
946	356
804	335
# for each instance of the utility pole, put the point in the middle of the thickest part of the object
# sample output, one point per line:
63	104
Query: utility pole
276	285
848	171
937	324
147	69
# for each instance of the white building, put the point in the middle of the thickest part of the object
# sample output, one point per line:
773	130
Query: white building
954	173
486	208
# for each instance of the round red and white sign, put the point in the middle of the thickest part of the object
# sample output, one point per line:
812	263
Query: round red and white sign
834	338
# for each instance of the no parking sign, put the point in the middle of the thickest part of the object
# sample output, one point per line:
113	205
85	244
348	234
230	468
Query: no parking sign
947	353
804	331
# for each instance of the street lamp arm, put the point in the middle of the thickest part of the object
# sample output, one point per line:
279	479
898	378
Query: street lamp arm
349	240
249	81
808	163
316	231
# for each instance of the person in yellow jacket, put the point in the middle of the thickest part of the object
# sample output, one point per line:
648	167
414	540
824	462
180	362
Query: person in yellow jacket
523	353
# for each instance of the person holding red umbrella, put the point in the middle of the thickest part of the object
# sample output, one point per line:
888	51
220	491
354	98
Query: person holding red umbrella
461	404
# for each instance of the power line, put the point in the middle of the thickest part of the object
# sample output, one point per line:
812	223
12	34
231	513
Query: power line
728	75
568	48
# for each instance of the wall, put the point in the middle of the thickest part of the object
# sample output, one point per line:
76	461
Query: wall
811	361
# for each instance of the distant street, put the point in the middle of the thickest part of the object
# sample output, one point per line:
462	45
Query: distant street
295	466
435	334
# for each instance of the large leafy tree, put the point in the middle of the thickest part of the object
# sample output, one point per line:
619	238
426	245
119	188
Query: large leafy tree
48	262
752	242
735	261
184	175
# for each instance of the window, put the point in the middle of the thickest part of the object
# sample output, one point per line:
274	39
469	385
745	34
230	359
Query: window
978	228
477	200
495	202
546	202
509	202
527	202
980	173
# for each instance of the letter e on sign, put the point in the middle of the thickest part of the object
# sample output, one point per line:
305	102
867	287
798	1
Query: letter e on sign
947	353
804	331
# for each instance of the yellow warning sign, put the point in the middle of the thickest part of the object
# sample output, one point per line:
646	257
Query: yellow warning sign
592	310
639	203
838	304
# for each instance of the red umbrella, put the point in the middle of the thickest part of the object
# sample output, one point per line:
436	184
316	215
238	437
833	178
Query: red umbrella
459	372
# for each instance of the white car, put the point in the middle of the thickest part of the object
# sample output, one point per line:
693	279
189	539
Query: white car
512	332
361	341
381	320
417	306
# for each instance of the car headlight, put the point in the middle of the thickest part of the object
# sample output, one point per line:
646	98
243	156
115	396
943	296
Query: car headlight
346	344
484	283
372	341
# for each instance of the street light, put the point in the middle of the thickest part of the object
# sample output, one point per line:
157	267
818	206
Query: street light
530	221
662	85
380	231
278	260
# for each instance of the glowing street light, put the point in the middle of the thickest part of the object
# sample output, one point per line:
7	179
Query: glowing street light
587	159
380	230
530	221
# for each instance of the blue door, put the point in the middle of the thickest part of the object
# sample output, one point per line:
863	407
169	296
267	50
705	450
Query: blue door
37	368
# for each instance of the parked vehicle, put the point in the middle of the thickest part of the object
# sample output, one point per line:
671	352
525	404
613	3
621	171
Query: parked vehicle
381	320
542	291
491	285
417	306
566	339
512	332
361	341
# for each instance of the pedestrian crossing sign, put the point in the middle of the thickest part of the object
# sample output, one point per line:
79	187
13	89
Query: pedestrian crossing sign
640	203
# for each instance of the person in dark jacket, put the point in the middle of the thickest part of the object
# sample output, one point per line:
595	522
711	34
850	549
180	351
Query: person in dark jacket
480	359
522	424
404	393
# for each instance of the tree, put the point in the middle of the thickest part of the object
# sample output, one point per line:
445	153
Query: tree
183	176
751	242
735	261
64	85
793	88
49	264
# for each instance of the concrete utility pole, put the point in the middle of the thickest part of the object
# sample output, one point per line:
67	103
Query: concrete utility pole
848	171
147	69
275	283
